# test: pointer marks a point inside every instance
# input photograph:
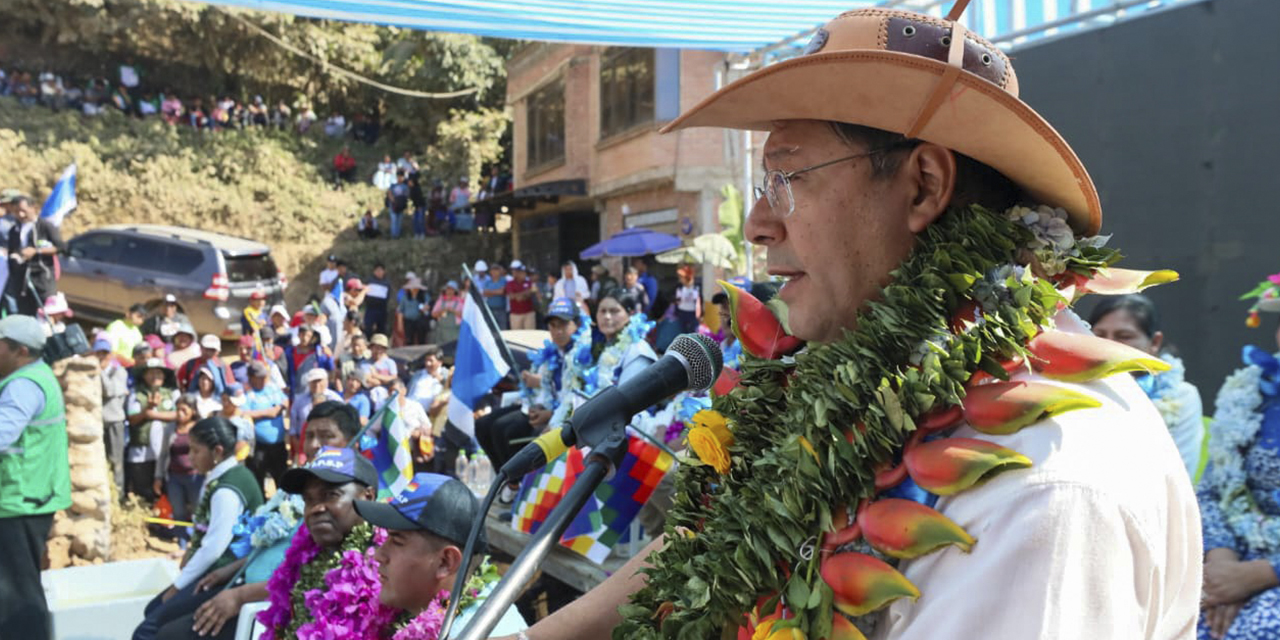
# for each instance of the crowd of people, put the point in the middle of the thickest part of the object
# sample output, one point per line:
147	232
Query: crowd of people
430	206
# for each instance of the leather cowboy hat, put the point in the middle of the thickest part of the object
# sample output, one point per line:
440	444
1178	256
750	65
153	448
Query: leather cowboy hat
924	77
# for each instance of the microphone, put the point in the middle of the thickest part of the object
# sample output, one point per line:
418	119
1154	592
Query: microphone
691	362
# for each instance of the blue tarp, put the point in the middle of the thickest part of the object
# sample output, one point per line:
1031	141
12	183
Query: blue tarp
724	25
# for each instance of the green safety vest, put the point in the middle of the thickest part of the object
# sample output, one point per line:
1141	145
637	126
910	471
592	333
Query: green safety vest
35	474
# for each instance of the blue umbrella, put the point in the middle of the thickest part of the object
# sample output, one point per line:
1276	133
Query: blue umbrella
631	243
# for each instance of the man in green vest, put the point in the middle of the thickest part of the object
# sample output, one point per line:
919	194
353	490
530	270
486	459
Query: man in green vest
35	476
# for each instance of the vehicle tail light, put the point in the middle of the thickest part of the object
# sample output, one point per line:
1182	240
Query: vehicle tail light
219	288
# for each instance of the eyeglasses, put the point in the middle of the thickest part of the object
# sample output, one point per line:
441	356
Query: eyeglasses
776	187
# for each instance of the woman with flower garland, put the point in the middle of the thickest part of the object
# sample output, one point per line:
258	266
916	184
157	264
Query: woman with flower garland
229	491
927	329
621	350
1132	320
546	392
1240	495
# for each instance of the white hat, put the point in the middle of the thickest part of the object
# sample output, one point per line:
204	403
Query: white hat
516	264
481	265
57	303
210	341
280	309
314	375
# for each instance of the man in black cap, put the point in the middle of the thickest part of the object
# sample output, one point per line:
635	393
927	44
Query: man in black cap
329	485
427	526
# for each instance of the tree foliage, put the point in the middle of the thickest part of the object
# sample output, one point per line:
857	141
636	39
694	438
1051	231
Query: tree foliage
198	49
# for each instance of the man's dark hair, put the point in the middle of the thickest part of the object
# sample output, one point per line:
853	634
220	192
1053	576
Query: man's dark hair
720	298
432	350
14	345
1140	307
379	265
138	308
976	183
343	414
21	200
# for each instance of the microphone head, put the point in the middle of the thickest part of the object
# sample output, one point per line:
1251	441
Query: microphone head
702	359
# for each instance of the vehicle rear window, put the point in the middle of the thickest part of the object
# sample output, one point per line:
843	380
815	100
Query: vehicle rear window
252	268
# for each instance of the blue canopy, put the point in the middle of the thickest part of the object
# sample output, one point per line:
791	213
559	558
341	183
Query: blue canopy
631	243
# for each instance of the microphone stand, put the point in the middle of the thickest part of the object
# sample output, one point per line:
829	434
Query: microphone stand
604	456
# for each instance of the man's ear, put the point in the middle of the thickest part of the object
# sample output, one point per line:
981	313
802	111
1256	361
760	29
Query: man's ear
930	172
450	561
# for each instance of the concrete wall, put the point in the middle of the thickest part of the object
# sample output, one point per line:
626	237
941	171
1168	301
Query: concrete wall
1175	116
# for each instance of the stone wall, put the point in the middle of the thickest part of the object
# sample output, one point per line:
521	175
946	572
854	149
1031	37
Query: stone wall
83	532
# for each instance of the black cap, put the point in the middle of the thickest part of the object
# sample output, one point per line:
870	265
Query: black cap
434	503
333	465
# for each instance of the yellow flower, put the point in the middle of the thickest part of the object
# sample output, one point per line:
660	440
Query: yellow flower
765	631
710	439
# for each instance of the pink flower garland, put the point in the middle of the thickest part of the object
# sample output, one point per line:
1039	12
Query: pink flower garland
426	626
349	608
302	549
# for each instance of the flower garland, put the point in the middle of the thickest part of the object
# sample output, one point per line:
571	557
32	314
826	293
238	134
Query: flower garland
614	354
426	625
304	572
805	435
1235	426
549	361
267	525
1166	390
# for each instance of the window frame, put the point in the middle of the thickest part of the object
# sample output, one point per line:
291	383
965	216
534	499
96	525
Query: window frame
615	95
540	102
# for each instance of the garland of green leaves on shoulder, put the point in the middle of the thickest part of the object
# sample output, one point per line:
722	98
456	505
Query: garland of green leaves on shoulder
810	433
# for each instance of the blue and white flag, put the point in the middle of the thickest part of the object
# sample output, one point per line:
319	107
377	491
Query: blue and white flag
477	365
63	198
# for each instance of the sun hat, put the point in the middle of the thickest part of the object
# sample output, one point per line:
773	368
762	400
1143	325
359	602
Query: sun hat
335	465
431	502
210	341
11	195
101	345
924	77
413	283
259	369
24	330
452	284
258	294
314	375
169	298
481	265
56	304
185	327
281	310
379	340
154	341
516	265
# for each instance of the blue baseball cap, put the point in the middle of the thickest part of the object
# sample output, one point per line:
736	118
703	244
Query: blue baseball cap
564	309
434	503
335	465
102	344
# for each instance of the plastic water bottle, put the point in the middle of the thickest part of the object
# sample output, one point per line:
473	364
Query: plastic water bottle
483	471
461	469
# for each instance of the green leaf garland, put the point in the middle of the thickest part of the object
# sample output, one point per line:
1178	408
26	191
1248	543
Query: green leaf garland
752	534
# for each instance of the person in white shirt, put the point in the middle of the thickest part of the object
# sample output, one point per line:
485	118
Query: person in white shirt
572	286
330	272
1099	538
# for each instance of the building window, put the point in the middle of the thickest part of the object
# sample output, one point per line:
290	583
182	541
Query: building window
545	114
626	90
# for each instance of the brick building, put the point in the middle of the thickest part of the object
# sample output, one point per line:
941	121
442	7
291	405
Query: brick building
589	160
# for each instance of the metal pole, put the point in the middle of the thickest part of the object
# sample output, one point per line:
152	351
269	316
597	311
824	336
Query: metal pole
527	563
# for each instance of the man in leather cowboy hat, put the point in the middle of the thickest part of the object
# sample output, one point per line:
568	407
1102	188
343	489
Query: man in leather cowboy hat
888	120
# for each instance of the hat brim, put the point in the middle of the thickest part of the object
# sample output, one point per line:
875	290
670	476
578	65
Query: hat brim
295	480
885	90
382	514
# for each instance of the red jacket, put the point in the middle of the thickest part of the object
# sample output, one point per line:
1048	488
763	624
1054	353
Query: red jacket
344	162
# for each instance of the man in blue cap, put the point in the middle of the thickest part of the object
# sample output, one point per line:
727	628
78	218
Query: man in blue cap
330	485
35	475
427	526
541	392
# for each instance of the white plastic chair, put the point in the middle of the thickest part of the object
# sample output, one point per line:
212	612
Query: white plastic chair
248	628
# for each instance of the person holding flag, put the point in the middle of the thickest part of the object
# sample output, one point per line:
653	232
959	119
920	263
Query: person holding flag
33	244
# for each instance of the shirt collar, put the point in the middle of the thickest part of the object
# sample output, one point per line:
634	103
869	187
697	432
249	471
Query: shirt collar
222	468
